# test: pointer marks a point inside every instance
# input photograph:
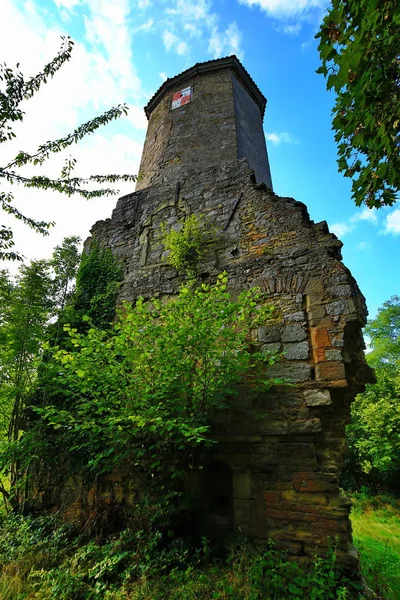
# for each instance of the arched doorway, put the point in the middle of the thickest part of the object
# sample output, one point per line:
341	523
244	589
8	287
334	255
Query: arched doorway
217	522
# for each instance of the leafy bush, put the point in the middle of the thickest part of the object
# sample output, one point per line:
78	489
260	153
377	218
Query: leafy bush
50	562
185	246
140	395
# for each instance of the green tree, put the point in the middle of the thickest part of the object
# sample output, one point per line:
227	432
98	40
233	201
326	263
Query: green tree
64	263
359	50
374	434
38	293
14	90
25	312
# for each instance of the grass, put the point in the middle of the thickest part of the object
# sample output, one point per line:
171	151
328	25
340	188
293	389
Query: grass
42	559
376	530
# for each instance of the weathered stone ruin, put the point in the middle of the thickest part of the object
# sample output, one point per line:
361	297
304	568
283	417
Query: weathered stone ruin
274	471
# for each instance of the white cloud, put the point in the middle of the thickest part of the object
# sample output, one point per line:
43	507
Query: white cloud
67	4
278	138
392	224
108	30
172	41
146	26
289	16
196	10
364	246
367	214
293	29
163	76
341	229
195	20
137	117
192	30
168	39
75	216
225	42
285	8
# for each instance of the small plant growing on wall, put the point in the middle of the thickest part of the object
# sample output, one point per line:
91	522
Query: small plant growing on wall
186	244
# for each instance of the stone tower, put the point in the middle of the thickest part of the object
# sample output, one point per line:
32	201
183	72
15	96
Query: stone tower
214	118
274	471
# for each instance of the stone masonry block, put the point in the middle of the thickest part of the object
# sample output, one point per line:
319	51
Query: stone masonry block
314	285
316	314
330	371
339	307
269	334
293	372
320	338
298	316
333	355
306	426
296	351
293	333
319	355
308	498
317	397
272	348
315	482
273	428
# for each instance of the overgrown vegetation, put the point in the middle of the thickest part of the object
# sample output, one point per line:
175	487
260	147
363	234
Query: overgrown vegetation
139	396
43	560
34	307
186	245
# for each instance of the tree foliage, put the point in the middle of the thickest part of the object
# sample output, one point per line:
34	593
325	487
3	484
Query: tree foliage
140	395
28	303
16	89
64	264
374	434
359	50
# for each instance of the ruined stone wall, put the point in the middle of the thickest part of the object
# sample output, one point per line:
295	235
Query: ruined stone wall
279	453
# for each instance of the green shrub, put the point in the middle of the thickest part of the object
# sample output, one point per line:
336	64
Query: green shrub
142	393
48	561
186	245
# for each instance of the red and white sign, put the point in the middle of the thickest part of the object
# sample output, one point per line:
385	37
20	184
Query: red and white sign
181	98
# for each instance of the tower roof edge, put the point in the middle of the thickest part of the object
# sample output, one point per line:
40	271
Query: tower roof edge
209	66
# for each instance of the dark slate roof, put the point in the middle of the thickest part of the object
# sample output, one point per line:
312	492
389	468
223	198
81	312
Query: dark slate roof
231	62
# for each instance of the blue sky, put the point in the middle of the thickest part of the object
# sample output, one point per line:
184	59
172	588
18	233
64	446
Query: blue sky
124	49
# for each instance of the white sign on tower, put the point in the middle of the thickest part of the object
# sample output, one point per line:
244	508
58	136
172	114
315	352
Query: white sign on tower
182	97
